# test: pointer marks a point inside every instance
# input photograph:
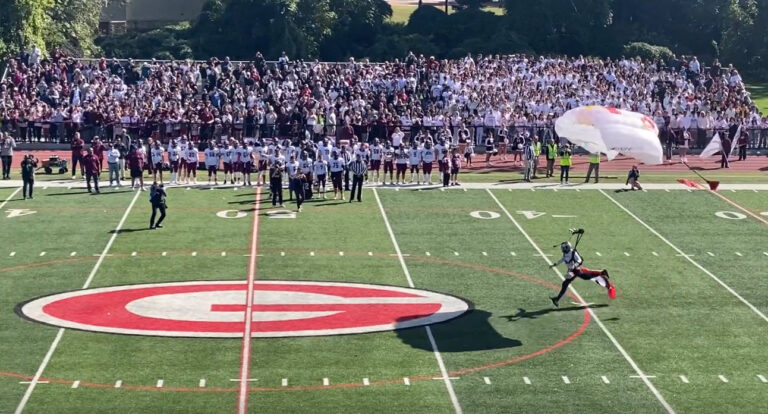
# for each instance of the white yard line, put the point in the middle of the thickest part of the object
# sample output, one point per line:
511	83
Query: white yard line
527	380
722	378
599	322
688	257
245	356
487	380
762	378
443	371
684	379
60	333
605	379
737	205
13	194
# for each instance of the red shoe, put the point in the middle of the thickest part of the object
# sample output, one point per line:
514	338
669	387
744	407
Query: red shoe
612	292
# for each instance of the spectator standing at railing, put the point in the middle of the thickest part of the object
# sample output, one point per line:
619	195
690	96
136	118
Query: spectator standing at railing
77	155
113	164
683	145
7	145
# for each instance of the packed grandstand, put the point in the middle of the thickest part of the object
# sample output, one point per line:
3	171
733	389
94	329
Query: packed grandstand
49	99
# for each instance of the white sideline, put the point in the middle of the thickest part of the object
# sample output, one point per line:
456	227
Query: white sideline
443	371
688	257
610	336
59	334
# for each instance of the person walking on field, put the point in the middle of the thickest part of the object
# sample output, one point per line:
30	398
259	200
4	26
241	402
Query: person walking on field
28	167
92	167
157	196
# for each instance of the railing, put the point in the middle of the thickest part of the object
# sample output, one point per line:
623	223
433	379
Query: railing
63	132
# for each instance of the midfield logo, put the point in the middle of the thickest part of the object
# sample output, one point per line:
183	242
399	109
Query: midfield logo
216	309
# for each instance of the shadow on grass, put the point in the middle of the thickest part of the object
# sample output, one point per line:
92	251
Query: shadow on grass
470	332
102	193
524	314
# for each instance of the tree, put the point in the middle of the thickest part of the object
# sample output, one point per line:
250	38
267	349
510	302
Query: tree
23	23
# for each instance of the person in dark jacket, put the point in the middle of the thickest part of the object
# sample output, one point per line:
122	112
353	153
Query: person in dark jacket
157	196
92	166
28	167
742	143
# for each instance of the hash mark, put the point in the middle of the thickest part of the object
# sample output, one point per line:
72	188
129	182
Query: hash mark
285	382
12	254
465	190
442	188
598	253
485	254
282	253
428	254
159	383
201	384
311	253
684	379
513	253
118	383
626	254
487	380
76	384
765	253
194	253
526	380
366	382
455	253
762	378
739	254
566	380
73	254
370	253
341	253
710	253
223	253
42	253
164	254
667	190
326	382
655	254
406	381
605	379
722	378
133	253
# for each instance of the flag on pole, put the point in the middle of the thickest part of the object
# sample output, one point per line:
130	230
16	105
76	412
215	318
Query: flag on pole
714	146
734	142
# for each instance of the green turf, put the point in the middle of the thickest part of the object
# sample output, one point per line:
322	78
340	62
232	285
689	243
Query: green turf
759	96
671	317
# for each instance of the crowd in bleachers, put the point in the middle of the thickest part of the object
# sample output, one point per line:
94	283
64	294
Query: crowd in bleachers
51	98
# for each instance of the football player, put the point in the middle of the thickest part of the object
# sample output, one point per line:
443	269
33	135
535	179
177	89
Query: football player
212	162
227	155
156	153
174	156
389	160
336	166
191	156
428	156
401	163
414	158
320	168
376	153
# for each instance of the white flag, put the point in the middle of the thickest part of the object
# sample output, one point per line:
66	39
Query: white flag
734	142
714	146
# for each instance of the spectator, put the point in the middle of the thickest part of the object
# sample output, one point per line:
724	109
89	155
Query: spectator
113	163
633	178
92	169
7	145
77	146
157	197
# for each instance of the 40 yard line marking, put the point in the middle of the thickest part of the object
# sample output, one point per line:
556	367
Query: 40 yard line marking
245	357
687	257
60	333
599	322
432	342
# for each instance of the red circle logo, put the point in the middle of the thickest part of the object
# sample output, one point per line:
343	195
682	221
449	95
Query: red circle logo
216	309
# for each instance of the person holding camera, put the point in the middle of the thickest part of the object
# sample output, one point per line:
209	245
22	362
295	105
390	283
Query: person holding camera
157	196
28	167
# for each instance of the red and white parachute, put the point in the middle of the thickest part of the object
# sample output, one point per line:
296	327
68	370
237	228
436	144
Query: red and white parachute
611	131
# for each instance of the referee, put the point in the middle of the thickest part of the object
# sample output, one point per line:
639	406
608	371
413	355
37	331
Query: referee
358	169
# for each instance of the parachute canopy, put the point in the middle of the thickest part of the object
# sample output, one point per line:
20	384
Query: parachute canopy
611	131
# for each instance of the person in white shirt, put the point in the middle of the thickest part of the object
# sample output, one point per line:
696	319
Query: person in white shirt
336	166
239	162
248	163
320	168
397	138
261	153
292	167
414	158
428	156
113	161
212	163
376	152
174	157
156	153
227	155
305	165
389	163
401	164
191	156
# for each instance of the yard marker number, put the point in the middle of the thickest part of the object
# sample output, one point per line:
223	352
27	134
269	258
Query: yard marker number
485	215
731	215
530	215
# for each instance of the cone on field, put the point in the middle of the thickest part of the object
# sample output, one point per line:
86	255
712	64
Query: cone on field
612	292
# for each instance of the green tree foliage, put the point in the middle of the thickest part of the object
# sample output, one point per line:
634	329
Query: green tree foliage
24	23
647	52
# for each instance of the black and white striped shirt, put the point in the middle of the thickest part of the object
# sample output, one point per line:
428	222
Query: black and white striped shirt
358	167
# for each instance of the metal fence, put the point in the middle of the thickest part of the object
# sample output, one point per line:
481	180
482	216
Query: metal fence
63	132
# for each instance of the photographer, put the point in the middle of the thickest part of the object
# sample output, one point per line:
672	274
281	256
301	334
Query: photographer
28	167
565	163
157	196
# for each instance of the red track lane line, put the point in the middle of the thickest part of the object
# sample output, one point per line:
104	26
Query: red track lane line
733	203
245	357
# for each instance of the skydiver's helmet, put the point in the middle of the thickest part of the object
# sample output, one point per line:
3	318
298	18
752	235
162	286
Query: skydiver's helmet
565	247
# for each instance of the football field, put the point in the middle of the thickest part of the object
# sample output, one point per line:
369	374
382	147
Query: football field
413	301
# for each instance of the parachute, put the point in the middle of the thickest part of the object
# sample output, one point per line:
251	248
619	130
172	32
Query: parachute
611	131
